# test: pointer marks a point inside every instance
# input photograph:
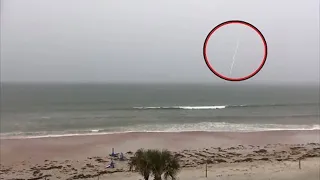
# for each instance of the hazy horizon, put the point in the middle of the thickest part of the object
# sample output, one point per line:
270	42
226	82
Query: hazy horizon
46	41
218	84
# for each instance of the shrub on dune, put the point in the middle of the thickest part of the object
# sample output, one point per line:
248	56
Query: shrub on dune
156	163
141	163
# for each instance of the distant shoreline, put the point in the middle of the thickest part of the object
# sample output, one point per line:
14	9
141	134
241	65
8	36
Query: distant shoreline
4	137
206	133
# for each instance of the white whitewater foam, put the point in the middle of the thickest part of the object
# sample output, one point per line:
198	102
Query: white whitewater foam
316	127
183	107
188	127
219	127
149	107
95	130
202	107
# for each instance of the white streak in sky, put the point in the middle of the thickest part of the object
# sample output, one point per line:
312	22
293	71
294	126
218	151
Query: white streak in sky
234	56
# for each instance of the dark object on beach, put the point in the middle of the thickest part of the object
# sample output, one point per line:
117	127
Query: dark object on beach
113	154
40	177
206	168
261	151
129	152
220	160
122	158
100	160
156	163
299	159
111	165
180	155
244	160
264	159
90	165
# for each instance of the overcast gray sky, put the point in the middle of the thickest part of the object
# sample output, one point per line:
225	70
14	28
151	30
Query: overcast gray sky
156	41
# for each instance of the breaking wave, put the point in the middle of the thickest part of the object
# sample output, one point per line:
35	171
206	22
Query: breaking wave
219	106
183	107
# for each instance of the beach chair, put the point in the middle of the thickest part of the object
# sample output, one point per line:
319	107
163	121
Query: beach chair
111	165
113	154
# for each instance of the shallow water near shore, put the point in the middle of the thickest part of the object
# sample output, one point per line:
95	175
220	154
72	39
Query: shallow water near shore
44	110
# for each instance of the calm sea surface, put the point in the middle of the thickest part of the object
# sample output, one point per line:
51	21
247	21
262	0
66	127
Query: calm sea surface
70	109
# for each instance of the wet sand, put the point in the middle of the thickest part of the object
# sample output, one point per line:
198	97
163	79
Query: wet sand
80	157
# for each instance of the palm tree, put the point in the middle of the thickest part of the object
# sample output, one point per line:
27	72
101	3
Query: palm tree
155	162
140	163
172	168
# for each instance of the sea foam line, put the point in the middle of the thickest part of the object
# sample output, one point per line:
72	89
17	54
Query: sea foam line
182	107
208	107
172	128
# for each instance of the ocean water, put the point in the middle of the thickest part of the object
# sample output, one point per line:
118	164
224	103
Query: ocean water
41	110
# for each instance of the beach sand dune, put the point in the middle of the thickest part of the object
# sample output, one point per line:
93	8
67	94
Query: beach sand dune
244	171
230	155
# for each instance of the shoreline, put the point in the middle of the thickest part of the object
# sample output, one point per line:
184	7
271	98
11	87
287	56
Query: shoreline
56	146
13	137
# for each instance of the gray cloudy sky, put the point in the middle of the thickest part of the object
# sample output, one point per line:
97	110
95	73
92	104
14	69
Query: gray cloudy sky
143	40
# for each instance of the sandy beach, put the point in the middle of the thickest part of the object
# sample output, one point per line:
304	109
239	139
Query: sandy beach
231	155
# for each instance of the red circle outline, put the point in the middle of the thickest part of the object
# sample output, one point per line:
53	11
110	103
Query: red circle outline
235	22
